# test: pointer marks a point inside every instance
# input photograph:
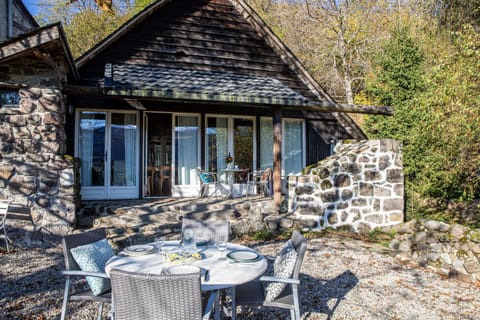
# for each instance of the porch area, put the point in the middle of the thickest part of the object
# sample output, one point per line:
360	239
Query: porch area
138	221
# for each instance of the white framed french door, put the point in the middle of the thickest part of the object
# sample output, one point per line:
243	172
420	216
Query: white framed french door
107	143
230	136
186	154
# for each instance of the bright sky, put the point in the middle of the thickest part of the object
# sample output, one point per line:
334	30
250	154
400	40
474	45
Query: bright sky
31	6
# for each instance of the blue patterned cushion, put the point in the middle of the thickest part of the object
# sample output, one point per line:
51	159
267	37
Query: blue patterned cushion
282	268
94	257
206	178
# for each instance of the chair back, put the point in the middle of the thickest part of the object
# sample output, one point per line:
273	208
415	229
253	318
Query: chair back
208	230
148	296
74	240
3	212
300	244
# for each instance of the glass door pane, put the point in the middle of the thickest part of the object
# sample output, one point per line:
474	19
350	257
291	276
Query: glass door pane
159	154
292	147
266	143
186	149
91	148
243	143
122	149
217	143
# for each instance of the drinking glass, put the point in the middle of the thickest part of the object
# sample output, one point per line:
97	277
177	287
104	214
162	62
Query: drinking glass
221	246
158	244
188	241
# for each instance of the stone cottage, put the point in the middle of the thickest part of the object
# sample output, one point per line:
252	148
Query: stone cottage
181	85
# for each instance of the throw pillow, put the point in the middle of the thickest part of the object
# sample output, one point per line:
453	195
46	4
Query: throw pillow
282	268
94	257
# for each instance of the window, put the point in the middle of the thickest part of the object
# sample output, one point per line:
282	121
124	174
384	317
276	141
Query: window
293	145
9	97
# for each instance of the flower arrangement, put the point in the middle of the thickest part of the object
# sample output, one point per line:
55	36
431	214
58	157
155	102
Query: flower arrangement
228	159
182	258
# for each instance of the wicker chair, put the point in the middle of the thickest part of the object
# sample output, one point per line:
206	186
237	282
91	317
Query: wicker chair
72	270
208	230
253	293
3	221
166	297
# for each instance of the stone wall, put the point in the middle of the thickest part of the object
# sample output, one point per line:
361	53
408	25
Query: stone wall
361	186
34	170
450	250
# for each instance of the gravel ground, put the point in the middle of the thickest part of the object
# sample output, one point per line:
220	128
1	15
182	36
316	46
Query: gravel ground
342	278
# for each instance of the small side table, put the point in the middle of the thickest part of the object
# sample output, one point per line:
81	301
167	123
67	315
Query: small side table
231	177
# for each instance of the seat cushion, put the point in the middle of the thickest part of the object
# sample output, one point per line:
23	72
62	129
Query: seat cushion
94	257
282	268
206	178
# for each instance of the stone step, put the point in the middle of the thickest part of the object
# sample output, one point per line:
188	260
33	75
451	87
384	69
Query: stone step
138	221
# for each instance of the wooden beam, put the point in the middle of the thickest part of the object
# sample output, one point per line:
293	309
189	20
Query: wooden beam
29	42
277	158
45	57
83	90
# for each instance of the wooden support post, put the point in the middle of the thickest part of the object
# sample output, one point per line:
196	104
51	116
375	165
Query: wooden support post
277	157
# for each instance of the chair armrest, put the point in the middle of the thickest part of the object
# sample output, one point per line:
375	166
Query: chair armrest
80	273
275	279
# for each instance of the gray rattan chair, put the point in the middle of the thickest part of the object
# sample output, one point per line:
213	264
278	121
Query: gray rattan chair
253	293
166	297
3	222
73	271
208	230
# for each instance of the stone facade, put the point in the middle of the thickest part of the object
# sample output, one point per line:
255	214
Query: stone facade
361	186
34	170
450	250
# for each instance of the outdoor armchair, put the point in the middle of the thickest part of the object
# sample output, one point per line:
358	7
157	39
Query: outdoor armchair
151	297
208	179
208	230
278	290
73	273
265	183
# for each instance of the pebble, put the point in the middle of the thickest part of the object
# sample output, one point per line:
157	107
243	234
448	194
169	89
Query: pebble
341	278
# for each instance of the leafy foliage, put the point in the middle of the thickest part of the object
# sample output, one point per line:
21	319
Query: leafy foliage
453	101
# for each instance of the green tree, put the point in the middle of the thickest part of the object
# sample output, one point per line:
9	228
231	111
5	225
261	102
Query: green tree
399	82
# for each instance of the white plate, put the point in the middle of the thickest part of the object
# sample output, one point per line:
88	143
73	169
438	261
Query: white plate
243	256
182	269
139	250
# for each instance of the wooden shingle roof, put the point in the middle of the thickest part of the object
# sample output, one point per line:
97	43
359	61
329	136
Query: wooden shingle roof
188	84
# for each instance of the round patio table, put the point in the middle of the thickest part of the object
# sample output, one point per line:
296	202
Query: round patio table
223	272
